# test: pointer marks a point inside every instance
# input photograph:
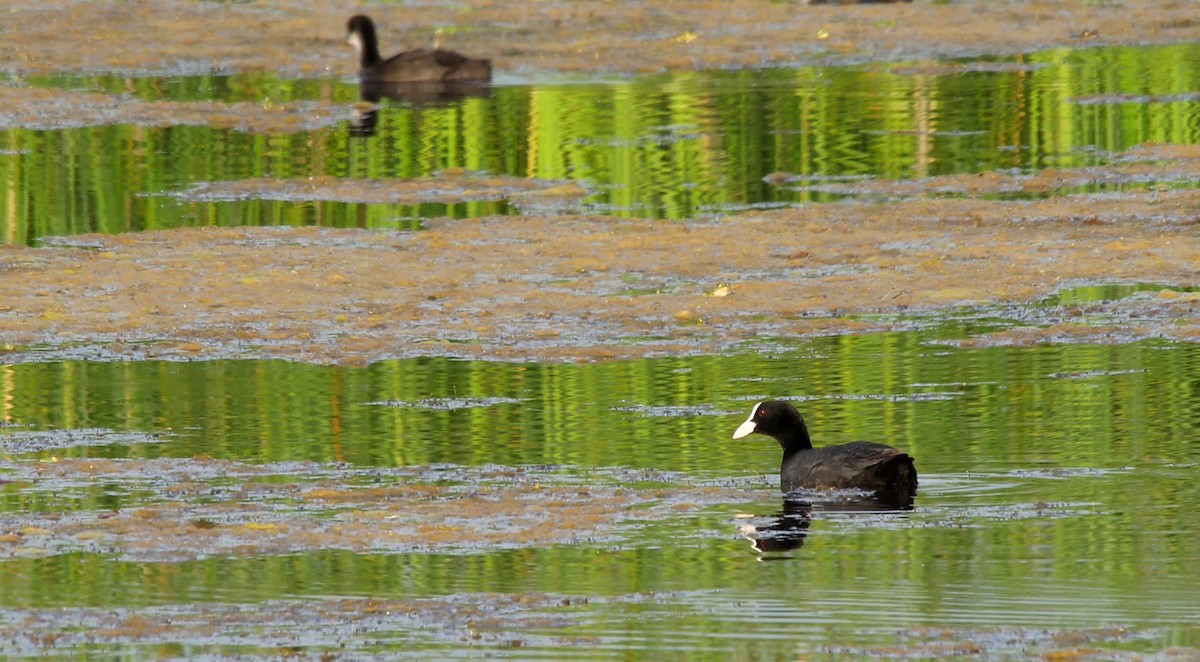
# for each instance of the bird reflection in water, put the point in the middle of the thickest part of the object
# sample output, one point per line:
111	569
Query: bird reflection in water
785	531
413	95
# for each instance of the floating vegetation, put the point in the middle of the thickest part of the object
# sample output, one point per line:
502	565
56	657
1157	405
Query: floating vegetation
223	508
446	186
46	109
449	404
35	441
541	287
1144	166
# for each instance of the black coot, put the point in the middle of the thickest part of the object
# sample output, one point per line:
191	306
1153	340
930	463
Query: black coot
863	465
422	65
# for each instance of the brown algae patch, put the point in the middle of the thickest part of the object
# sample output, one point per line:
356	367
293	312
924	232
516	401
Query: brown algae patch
191	509
1148	164
1000	183
1165	152
447	404
1098	643
553	625
544	622
447	186
585	287
36	441
48	109
339	627
1164	313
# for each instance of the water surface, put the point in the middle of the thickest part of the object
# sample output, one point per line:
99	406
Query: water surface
1054	488
671	146
446	508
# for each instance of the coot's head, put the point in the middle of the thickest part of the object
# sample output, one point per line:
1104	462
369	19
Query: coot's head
360	31
777	419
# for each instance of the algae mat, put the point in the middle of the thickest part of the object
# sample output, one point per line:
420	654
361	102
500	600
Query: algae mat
307	38
582	287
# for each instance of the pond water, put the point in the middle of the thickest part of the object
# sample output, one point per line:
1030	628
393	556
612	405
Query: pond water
1053	505
672	146
447	508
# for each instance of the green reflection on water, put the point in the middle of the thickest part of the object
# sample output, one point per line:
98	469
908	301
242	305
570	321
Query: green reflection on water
1056	487
957	409
664	146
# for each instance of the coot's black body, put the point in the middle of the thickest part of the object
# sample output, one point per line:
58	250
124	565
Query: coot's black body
862	465
422	65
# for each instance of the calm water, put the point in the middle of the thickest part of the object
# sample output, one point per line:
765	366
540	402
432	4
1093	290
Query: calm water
666	147
1056	484
1055	510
